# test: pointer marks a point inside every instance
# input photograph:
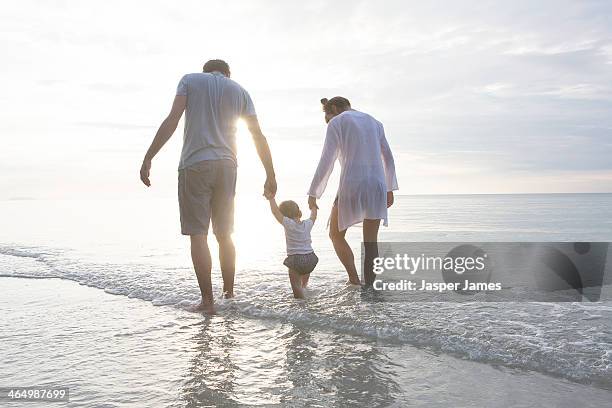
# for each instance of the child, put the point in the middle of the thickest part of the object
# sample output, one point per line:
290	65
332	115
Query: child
301	259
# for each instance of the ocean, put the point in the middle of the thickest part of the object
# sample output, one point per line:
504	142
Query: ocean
94	297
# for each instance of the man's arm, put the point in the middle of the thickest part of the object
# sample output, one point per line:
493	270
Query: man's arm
165	131
275	211
263	150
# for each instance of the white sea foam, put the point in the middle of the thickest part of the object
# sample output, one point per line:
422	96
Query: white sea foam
569	340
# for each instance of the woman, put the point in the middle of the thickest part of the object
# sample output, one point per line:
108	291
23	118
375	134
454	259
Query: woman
367	180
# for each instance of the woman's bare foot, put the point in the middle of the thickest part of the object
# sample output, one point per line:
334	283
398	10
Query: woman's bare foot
208	308
353	278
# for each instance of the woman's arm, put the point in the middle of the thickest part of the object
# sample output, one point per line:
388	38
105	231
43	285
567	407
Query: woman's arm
326	163
388	162
313	214
275	211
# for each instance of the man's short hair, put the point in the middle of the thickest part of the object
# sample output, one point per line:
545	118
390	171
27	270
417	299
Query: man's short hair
217	65
338	101
289	209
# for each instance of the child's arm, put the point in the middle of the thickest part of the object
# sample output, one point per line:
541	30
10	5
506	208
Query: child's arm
313	213
275	211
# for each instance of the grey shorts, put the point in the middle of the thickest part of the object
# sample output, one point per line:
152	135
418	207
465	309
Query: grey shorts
206	192
302	263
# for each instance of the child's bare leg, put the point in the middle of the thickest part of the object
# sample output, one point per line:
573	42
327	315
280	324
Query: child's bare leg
296	284
305	278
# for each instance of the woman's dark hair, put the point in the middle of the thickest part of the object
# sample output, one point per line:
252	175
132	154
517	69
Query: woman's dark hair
217	65
338	101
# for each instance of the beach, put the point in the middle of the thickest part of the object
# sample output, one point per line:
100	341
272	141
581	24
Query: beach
115	351
161	166
103	314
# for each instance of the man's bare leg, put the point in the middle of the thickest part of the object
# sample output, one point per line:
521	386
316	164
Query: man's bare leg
200	255
227	259
296	284
370	243
342	248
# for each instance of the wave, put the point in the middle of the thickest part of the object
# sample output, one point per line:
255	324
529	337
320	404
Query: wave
570	340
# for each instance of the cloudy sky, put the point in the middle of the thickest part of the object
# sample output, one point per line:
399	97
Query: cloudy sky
476	97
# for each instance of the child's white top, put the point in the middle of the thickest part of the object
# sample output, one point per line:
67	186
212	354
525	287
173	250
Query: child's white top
297	235
368	171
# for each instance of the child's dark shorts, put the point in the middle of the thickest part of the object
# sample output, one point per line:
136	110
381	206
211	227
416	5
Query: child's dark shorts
302	263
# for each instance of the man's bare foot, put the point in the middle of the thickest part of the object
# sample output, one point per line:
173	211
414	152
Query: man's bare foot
353	282
208	308
228	295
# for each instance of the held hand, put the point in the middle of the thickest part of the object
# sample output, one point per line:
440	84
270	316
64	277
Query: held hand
145	170
270	187
268	195
312	202
390	198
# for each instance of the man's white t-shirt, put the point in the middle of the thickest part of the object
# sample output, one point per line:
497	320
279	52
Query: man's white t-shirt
297	235
214	105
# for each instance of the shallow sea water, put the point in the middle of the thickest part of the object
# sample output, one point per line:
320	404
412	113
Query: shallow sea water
92	305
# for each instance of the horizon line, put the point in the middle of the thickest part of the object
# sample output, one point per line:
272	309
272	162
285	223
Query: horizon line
464	194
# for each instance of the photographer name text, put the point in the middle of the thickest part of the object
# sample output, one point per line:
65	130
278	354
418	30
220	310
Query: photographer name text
425	286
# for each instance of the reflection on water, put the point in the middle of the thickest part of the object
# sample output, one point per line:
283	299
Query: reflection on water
359	366
301	372
241	363
211	375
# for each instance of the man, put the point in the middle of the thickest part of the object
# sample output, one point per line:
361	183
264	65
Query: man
207	171
367	180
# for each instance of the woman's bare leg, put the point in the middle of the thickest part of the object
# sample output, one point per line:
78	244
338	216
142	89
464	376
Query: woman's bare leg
370	243
342	248
296	284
